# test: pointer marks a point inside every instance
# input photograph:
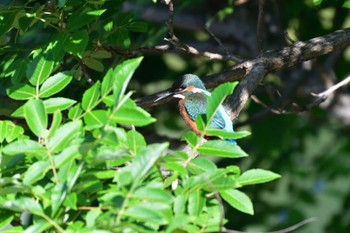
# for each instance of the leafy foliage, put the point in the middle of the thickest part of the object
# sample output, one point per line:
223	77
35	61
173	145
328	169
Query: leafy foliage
88	168
72	160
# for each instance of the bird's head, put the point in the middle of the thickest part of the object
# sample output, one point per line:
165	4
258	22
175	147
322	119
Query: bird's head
186	85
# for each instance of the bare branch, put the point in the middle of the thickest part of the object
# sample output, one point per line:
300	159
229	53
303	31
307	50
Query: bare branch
333	88
260	29
286	230
269	61
227	53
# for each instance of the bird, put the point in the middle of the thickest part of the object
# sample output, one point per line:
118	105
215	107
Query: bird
193	96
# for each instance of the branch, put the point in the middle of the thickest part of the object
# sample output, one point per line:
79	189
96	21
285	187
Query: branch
254	70
260	32
286	230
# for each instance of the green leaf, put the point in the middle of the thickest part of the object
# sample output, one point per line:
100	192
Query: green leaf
56	121
200	165
36	172
24	146
124	72
76	43
38	226
90	97
137	27
226	134
144	160
96	12
96	118
346	4
79	19
39	69
9	131
55	84
58	195
217	97
135	141
146	214
67	154
101	54
23	204
57	103
196	202
191	138
257	176
64	135
150	194
94	64
21	92
71	201
130	113
221	148
238	200
91	217
107	82
317	2
36	117
75	112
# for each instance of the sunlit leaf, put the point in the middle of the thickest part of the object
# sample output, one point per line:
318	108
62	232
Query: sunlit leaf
90	97
55	84
238	200
36	172
36	117
130	113
64	135
221	148
39	69
57	103
23	146
257	176
21	92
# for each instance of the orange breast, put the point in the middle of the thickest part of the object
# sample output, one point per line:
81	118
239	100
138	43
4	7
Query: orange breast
187	119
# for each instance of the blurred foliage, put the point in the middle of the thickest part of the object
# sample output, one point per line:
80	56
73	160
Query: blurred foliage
58	89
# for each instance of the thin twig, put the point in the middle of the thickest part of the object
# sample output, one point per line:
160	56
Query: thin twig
170	22
260	30
286	230
333	88
227	53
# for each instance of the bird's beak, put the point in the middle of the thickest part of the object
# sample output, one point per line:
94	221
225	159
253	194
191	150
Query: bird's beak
164	95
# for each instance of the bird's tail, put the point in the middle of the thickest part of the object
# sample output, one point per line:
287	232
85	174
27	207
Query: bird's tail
231	140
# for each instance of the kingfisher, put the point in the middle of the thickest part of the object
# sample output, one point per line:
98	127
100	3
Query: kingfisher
193	96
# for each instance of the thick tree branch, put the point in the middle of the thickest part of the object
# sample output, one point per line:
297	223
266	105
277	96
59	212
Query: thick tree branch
254	70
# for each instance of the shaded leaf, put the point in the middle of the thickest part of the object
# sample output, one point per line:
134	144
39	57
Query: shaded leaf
76	43
94	64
